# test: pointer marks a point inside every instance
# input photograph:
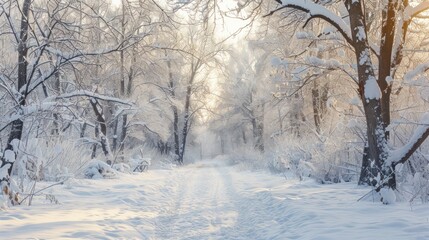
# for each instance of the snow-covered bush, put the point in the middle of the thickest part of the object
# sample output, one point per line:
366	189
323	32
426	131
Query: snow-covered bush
290	161
50	161
327	161
97	169
419	186
122	167
3	202
139	164
31	167
246	158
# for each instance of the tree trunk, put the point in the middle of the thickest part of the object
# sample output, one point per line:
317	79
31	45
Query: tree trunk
123	134
186	118
176	132
98	110
258	130
185	129
131	72
174	109
385	62
373	167
115	135
243	131
94	146
9	156
83	129
316	112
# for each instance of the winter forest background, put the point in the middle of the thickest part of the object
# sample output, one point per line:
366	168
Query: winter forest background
336	91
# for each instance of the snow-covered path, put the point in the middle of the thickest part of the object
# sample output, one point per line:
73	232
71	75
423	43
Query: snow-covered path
211	200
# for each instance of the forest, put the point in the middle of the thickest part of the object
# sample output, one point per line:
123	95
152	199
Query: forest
330	93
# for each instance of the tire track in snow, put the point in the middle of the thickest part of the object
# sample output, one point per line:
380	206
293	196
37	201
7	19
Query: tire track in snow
198	211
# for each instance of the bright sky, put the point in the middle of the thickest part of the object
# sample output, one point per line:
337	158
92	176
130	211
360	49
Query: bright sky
116	3
225	27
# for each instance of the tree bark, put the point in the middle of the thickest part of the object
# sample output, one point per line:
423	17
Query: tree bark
123	133
185	123
18	124
385	62
186	118
94	146
115	135
258	129
98	110
377	152
316	112
174	109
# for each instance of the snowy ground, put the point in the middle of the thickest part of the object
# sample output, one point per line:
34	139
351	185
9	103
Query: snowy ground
211	200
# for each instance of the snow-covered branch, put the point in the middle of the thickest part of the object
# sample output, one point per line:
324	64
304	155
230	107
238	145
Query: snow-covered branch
411	75
318	11
402	154
411	12
89	94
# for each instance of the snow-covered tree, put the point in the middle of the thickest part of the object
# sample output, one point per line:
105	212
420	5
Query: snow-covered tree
377	62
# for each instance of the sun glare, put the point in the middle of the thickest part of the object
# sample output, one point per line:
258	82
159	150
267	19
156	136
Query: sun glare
229	25
116	3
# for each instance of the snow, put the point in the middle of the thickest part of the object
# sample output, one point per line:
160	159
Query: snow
420	69
4	171
328	63
92	95
388	195
9	156
317	9
397	154
305	35
210	200
97	169
361	36
372	90
364	58
355	101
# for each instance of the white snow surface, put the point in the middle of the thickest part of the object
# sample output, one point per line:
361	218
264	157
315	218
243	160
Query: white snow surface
372	90
211	200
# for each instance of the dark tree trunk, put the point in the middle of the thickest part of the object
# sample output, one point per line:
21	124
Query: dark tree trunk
385	62
123	133
98	110
176	132
222	144
186	123
57	87
186	112
320	97
175	111
244	136
94	146
258	133
377	146
316	112
115	135
17	125
131	72
83	129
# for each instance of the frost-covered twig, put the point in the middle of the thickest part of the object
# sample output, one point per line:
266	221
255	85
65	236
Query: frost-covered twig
41	190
